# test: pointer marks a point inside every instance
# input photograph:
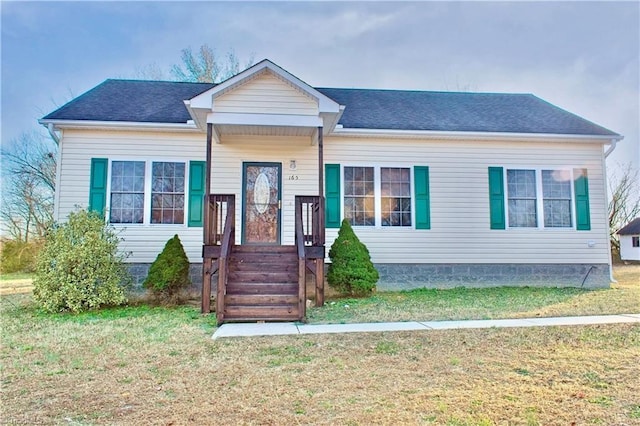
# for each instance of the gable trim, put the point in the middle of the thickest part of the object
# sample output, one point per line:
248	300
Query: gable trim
205	99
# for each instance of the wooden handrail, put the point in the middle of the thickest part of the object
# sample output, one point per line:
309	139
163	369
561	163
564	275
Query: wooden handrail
311	213
302	262
227	242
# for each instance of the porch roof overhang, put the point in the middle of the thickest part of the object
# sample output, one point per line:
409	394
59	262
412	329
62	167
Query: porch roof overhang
202	109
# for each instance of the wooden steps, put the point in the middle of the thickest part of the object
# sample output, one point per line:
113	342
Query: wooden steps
262	284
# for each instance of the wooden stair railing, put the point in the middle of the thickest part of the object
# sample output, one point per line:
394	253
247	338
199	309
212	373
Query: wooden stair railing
262	282
310	235
228	240
219	229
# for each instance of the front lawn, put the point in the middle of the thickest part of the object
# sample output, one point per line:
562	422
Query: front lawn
143	365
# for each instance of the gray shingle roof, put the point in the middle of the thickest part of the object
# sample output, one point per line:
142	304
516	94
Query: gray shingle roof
632	228
133	101
457	111
162	102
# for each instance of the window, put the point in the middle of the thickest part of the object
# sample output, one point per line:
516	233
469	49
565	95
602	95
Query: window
556	195
635	241
377	196
127	191
525	203
167	193
395	190
359	196
155	187
521	190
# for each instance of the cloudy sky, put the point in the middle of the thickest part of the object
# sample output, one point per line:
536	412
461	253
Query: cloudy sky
581	56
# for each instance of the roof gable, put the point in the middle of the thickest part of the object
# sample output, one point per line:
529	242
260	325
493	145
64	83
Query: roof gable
204	100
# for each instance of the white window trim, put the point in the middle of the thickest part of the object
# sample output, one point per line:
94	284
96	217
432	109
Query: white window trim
540	198
146	219
377	196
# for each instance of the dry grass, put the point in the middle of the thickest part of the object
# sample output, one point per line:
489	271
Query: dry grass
141	365
486	303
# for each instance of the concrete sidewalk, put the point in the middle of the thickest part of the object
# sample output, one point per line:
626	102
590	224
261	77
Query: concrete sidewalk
286	328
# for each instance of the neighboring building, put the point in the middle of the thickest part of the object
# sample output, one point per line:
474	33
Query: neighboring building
445	189
630	240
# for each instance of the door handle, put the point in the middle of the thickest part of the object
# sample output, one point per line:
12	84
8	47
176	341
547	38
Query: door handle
279	204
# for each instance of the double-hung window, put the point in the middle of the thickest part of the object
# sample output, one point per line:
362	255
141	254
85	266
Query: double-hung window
359	195
127	192
167	192
377	196
147	192
556	198
521	190
395	191
539	198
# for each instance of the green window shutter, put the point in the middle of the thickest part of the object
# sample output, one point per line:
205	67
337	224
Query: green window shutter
197	186
98	185
496	198
581	188
332	195
421	188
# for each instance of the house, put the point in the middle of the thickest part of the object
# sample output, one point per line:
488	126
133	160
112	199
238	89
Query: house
256	173
630	240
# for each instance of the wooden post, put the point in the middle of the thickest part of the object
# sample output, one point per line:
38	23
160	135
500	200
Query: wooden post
321	185
206	232
319	276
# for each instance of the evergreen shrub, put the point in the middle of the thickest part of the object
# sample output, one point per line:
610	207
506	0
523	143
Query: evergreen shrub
169	273
351	271
79	267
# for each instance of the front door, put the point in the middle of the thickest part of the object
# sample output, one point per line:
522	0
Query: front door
261	183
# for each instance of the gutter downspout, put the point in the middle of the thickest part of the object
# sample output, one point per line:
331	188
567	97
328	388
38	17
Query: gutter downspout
614	142
52	133
56	199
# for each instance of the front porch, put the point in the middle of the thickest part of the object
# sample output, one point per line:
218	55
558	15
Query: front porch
263	232
262	282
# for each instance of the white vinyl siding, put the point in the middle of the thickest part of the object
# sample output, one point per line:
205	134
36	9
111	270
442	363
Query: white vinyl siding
226	173
459	199
143	241
459	202
266	94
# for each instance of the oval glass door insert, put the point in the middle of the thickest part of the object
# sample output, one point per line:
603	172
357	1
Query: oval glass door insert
261	193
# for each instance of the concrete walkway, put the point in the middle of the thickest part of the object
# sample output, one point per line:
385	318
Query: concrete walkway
286	328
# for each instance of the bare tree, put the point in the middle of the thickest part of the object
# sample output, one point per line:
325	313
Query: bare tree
28	178
206	67
624	205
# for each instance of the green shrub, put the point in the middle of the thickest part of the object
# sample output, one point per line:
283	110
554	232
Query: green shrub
169	273
351	270
18	256
79	267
